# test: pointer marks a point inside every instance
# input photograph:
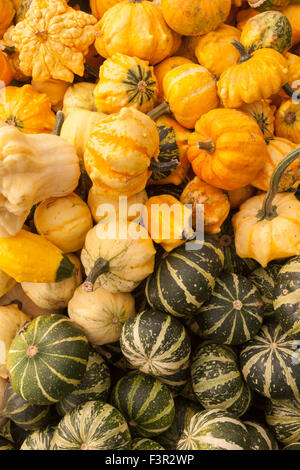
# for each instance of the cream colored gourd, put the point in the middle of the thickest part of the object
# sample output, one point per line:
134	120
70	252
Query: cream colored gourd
32	168
11	320
80	95
64	221
54	295
101	314
6	283
99	205
119	256
16	294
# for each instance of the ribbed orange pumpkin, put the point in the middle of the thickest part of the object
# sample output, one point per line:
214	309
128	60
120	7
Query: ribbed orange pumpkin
5	70
99	7
263	113
7	46
228	149
292	12
7	12
287	121
163	68
187	48
240	195
243	16
293	61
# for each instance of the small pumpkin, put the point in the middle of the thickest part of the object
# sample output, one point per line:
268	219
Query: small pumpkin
263	5
12	56
287	121
191	18
243	16
228	149
6	74
54	89
80	95
163	68
125	81
101	314
263	113
99	7
148	37
292	12
287	90
240	195
6	16
187	48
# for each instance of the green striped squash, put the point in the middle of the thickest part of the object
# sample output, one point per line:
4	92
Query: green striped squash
94	425
13	433
94	385
214	430
5	444
168	150
184	411
145	402
22	413
47	360
271	364
234	313
294	446
145	444
39	440
157	344
188	392
185	278
112	353
217	380
283	418
287	296
265	280
260	437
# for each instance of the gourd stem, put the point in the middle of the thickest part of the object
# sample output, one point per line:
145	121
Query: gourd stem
156	165
101	266
91	71
242	50
163	108
288	90
269	211
60	117
209	146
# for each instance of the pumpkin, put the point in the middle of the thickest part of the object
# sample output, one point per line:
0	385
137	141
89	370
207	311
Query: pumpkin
6	283
125	81
283	419
187	48
167	221
290	88
263	113
6	74
265	279
99	7
240	195
129	132
47	360
266	226
145	444
234	313
256	77
39	440
217	381
157	344
292	12
148	37
109	430
268	29
214	430
191	91
191	18
17	296
278	148
227	150
54	295
270	362
64	221
243	16
146	404
12	56
287	121
215	202
214	50
260	437
11	320
172	189
101	314
54	89
263	5
7	13
163	68
27	109
79	95
47	52
286	301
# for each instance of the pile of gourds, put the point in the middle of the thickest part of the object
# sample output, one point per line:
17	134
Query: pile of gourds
131	339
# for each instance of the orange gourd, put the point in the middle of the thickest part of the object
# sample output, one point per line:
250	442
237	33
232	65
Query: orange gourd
287	121
99	7
263	113
163	68
5	70
7	12
238	196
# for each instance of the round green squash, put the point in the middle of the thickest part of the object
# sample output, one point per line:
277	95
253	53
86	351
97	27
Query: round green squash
157	344
39	440
265	279
145	444
287	296
271	364
168	150
47	360
260	437
94	385
283	418
112	353
294	446
94	425
217	380
5	444
234	313
214	430
145	402
185	278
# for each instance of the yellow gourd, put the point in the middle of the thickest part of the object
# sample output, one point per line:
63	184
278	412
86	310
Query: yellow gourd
54	89
6	283
80	95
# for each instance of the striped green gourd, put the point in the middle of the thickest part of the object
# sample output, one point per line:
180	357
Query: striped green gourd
157	344
5	444
265	280
260	437
287	296
188	392
294	446
145	444
214	430
271	364
168	150
23	413
145	402
94	425
47	360
283	418
217	380
39	440
185	278
112	353
234	313
184	411
94	385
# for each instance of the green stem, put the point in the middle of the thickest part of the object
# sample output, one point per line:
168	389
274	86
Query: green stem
60	117
268	211
156	165
163	108
242	50
101	266
209	146
288	90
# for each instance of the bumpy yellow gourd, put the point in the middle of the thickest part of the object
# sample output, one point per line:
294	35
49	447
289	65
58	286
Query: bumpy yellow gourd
80	95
